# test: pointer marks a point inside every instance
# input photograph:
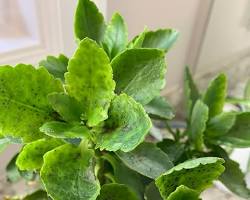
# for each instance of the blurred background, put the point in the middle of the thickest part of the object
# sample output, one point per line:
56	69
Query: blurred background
214	37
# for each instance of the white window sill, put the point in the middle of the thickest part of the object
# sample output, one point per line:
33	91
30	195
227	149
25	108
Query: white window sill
12	44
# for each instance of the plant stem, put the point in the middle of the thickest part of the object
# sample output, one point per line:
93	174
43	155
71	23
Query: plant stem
170	130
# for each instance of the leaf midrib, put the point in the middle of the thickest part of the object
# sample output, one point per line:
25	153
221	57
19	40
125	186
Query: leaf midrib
23	104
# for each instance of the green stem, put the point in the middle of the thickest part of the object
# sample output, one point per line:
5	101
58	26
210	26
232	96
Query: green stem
170	130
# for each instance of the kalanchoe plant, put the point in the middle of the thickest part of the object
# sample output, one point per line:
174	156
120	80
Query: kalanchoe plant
210	131
83	120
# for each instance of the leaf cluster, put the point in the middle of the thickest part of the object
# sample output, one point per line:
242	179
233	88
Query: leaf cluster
83	121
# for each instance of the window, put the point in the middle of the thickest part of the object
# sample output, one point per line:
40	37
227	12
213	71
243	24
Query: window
19	26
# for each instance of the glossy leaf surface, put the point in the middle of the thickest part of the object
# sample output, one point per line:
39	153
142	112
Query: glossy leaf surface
89	22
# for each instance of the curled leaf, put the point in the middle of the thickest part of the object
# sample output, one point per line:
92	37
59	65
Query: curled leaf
126	127
31	156
196	174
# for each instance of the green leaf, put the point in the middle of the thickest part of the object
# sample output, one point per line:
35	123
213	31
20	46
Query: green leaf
140	73
247	90
146	159
31	156
246	106
89	81
57	66
4	142
160	39
28	175
126	127
23	102
68	173
239	133
89	22
152	193
68	107
37	195
173	149
196	174
233	178
116	36
182	192
116	191
126	176
215	95
191	92
159	107
137	40
64	130
12	172
198	122
220	124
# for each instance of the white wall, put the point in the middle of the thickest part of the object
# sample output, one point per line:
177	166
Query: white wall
227	37
186	16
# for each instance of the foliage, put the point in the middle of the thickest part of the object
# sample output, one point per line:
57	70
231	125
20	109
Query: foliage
83	120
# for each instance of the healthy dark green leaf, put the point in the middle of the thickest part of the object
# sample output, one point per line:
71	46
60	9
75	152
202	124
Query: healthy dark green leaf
196	174
160	39
23	102
126	176
215	95
146	159
58	129
71	168
159	107
198	122
239	133
68	107
116	36
126	127
220	124
152	192
12	172
140	73
31	156
89	22
233	178
191	92
89	81
57	66
116	191
173	149
37	195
